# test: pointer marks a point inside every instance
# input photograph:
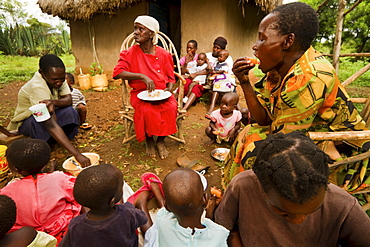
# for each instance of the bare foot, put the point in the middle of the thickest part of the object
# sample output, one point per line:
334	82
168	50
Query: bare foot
157	193
162	150
142	199
150	147
210	142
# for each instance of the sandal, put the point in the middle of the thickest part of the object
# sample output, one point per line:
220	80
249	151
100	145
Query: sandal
134	196
148	178
86	126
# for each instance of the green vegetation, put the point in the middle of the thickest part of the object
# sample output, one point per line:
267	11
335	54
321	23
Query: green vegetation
20	68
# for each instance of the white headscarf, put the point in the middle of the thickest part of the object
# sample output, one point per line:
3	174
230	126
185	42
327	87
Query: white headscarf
150	23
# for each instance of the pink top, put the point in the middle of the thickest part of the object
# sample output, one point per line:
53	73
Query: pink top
224	125
182	60
46	203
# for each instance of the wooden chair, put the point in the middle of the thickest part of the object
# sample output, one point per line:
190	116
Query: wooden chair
128	110
325	137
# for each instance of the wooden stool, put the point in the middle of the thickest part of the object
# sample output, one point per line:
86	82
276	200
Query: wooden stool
6	140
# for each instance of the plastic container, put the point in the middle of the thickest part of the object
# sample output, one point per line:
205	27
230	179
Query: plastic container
69	166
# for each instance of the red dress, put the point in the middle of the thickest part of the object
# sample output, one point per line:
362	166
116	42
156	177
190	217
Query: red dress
151	118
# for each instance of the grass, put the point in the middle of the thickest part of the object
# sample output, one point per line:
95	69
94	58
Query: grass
19	68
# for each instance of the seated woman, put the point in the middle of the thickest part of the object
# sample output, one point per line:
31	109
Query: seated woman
306	96
147	67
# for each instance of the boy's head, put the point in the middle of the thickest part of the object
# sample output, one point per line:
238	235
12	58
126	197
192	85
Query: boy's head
223	55
70	79
8	214
229	102
28	156
202	58
98	186
52	70
184	193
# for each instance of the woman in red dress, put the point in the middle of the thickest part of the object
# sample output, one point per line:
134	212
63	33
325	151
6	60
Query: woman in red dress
147	67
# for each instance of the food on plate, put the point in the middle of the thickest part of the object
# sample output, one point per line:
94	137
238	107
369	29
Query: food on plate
220	156
154	94
216	192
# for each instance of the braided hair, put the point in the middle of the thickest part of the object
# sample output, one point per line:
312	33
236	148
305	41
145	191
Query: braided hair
298	18
293	166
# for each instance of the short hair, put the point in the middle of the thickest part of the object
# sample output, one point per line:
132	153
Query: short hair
95	186
70	77
28	154
50	61
202	53
293	166
183	192
300	19
194	42
8	214
231	96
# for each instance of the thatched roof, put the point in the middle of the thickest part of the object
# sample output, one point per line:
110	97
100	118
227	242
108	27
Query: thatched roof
85	9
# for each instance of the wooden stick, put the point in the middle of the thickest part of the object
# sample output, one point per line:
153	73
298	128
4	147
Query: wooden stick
340	135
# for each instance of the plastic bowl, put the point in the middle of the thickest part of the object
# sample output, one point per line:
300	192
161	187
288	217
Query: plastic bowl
70	167
220	153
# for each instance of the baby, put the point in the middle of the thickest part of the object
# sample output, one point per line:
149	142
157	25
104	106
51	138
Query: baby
221	66
198	81
78	100
100	188
180	222
25	236
225	122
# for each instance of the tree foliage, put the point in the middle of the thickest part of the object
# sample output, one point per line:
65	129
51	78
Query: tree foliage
21	34
356	34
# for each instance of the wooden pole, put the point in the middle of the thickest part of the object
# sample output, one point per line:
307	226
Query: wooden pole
340	135
356	75
338	34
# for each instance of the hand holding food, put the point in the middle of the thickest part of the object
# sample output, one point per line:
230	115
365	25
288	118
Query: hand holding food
216	192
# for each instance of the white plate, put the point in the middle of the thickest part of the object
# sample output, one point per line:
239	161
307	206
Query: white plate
154	95
220	153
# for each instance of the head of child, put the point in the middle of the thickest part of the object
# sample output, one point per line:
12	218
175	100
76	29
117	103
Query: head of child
8	213
70	79
99	187
223	55
185	196
229	103
294	173
192	47
28	156
202	57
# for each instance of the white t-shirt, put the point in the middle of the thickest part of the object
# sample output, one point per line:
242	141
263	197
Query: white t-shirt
193	68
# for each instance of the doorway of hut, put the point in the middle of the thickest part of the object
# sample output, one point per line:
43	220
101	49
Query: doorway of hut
167	12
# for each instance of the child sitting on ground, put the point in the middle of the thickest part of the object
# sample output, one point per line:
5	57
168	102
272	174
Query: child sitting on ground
180	222
225	122
25	236
99	188
78	100
198	81
44	200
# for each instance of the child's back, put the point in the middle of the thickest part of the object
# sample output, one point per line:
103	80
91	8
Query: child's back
180	224
44	200
106	224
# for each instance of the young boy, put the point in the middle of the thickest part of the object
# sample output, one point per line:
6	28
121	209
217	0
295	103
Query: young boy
26	236
225	122
99	188
179	223
44	200
221	67
78	100
194	67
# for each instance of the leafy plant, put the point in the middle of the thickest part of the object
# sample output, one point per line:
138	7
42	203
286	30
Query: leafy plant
96	69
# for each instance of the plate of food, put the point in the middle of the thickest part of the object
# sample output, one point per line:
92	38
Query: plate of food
220	153
155	95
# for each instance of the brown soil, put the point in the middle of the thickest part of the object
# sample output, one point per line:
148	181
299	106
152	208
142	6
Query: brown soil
105	138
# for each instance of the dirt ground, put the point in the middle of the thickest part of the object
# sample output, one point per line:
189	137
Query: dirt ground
105	138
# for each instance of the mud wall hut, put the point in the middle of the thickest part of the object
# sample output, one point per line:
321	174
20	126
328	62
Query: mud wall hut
99	27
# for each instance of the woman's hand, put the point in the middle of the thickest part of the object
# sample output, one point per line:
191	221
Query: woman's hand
189	57
150	86
241	68
49	105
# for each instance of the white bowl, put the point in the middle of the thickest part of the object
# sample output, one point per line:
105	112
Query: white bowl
220	153
69	166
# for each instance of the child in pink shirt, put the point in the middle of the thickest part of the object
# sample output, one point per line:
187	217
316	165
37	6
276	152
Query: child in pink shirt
225	122
44	200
